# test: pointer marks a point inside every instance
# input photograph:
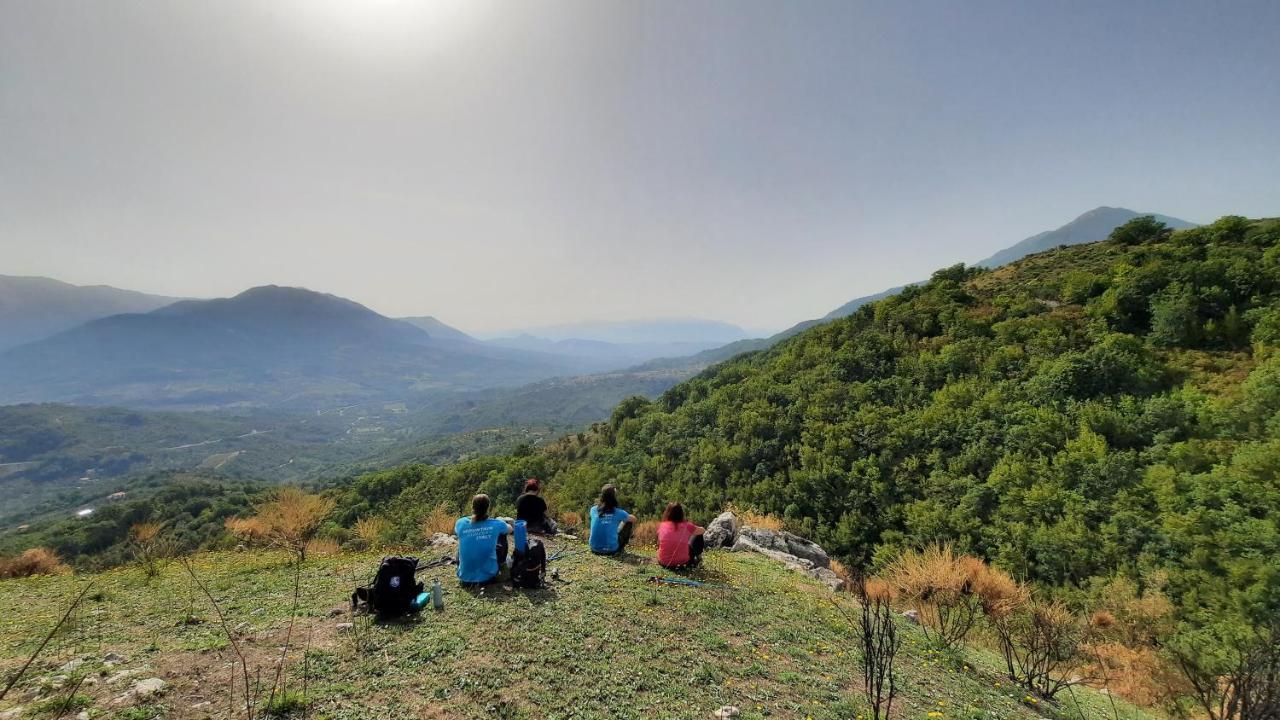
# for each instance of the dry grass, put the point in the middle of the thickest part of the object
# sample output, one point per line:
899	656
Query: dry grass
440	520
645	534
372	531
323	547
571	521
757	520
35	561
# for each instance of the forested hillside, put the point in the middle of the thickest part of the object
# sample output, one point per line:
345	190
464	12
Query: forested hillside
1112	407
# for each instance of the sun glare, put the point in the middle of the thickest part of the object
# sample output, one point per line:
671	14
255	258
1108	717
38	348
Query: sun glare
391	27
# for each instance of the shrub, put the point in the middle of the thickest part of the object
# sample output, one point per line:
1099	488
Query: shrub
149	546
878	642
289	521
372	532
1042	643
439	520
35	561
952	591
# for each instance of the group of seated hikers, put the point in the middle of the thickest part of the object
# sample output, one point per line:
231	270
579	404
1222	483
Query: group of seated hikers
483	546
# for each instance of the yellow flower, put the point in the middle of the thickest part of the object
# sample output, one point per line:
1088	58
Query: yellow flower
934	714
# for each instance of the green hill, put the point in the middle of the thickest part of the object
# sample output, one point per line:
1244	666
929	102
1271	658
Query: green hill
602	642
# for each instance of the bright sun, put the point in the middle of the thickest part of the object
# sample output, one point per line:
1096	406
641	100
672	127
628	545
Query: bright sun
392	27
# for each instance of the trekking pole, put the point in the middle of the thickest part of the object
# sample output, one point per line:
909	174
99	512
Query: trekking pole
689	583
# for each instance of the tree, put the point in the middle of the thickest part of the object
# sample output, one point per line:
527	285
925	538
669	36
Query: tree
1174	318
1140	231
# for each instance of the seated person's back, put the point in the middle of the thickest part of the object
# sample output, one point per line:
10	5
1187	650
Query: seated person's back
610	524
680	542
480	543
532	509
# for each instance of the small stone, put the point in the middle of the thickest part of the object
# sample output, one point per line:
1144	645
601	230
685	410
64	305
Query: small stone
337	610
912	616
726	712
205	703
82	715
12	713
71	666
344	627
113	657
148	687
56	681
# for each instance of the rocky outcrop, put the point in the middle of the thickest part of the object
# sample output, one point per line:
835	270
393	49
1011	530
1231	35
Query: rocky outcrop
721	532
787	543
791	550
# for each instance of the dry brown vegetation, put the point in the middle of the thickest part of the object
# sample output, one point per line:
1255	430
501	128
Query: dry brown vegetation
758	520
289	521
645	534
439	520
149	547
952	592
372	532
35	561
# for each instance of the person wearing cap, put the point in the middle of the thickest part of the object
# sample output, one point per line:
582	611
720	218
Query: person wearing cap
532	509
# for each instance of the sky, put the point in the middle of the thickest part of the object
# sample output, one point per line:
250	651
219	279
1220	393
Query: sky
512	164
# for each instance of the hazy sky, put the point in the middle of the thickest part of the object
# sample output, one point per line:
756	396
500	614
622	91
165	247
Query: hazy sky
522	163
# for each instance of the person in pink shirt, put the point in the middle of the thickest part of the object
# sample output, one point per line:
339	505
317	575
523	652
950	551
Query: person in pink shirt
680	542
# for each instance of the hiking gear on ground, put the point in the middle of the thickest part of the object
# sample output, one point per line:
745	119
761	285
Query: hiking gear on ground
420	601
437	595
607	530
393	589
529	568
481	548
688	582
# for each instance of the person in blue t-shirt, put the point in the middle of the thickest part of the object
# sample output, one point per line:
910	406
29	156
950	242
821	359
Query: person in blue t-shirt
482	544
610	525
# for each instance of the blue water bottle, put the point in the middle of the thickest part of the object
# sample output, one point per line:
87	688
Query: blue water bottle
522	536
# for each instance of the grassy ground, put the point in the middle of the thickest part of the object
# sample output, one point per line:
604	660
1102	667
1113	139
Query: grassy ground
601	643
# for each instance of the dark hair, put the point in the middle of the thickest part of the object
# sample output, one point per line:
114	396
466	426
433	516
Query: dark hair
608	499
674	513
531	485
480	508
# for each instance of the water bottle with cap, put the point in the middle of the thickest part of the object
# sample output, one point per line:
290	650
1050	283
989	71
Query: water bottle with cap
437	595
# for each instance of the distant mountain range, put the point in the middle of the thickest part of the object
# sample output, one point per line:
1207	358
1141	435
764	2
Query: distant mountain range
33	308
437	329
268	346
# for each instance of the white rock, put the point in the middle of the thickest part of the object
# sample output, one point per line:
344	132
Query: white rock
71	666
913	616
443	540
726	712
148	687
12	713
82	715
344	627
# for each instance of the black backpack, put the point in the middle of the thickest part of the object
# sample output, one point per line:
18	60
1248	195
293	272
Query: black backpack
529	568
393	589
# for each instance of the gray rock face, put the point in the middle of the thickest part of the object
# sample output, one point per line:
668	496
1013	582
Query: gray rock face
784	542
778	545
722	532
